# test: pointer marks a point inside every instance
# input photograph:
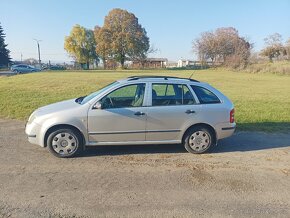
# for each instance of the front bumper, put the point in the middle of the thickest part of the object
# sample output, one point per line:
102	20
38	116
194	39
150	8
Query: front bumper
32	130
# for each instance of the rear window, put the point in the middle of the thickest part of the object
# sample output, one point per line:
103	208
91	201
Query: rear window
205	96
171	94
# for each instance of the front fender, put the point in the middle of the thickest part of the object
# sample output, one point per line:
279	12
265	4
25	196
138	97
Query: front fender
79	123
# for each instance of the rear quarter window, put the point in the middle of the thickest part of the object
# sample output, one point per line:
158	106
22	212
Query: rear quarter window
205	96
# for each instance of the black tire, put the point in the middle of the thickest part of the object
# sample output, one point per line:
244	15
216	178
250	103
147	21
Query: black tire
196	144
71	140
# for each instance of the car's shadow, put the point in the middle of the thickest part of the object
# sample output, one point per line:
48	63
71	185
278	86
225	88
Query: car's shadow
239	142
253	141
133	149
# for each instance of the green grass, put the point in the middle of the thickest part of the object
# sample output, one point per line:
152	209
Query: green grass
262	101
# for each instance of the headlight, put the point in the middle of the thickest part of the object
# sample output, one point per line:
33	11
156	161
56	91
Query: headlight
31	117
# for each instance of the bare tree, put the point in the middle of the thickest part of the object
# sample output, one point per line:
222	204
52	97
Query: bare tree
287	49
206	47
223	45
274	47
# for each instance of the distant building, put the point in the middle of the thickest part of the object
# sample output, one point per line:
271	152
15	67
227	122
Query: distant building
150	63
185	63
171	64
195	64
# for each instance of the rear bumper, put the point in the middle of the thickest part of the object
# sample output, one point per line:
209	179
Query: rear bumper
225	130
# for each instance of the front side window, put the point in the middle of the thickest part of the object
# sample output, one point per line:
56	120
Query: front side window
171	94
127	96
205	96
93	95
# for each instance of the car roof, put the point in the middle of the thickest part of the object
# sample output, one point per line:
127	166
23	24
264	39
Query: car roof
158	79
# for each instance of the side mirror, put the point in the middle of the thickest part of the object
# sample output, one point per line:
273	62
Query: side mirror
98	106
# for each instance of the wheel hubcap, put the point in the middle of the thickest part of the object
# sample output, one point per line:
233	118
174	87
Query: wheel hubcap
64	143
199	141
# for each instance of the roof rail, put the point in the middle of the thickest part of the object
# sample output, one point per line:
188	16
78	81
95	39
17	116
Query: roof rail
130	78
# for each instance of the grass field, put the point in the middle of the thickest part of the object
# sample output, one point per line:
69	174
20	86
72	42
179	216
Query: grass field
262	101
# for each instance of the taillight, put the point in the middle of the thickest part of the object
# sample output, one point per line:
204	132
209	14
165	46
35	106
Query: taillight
232	116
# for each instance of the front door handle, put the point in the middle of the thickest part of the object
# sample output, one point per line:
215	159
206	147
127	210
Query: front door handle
190	111
139	113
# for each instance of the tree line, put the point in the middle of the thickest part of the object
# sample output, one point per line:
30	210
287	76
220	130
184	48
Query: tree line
224	46
121	38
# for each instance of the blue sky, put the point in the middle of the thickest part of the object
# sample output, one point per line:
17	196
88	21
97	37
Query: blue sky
171	25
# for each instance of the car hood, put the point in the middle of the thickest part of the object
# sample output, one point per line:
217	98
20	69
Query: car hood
56	107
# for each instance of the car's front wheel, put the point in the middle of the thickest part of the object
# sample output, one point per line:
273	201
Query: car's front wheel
198	140
64	143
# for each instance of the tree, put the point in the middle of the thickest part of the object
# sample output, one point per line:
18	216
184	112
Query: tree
127	39
81	45
274	47
223	45
4	52
287	49
103	47
206	47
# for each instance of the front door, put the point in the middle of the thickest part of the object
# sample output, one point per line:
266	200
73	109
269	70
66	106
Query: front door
121	118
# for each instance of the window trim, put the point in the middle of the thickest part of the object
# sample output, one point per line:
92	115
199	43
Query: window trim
200	102
150	88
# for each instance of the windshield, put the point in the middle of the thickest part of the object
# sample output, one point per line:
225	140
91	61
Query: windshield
94	94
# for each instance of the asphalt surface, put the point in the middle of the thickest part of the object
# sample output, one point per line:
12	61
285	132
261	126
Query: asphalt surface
247	175
7	73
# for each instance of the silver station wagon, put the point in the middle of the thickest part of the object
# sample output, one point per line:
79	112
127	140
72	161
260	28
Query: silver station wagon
136	110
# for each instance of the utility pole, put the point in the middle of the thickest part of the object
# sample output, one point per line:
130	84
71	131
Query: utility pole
39	60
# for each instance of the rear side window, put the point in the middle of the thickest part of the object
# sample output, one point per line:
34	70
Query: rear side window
171	94
205	96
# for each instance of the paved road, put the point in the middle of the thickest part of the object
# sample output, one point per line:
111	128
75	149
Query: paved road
248	175
7	73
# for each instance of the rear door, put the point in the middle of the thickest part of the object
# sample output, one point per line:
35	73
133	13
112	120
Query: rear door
173	105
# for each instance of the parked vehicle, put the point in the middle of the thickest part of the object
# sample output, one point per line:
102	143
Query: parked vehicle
23	68
54	67
136	110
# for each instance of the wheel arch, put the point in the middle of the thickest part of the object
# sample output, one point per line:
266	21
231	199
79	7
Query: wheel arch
205	125
63	126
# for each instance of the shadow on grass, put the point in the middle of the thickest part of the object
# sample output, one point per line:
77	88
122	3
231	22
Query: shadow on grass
242	141
282	127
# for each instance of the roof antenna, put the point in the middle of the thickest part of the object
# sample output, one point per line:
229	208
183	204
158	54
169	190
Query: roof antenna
191	75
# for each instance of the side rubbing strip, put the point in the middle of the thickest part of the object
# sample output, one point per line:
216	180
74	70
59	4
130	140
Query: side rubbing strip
132	132
228	128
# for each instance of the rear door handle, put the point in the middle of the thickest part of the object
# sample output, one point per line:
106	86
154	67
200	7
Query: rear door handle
190	111
139	113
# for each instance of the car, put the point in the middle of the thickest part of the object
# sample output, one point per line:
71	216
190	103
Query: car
54	67
23	68
136	110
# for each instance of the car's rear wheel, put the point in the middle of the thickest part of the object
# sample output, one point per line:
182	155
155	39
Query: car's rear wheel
64	143
198	140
